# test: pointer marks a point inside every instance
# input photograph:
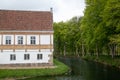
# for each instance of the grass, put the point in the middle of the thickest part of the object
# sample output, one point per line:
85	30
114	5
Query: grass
20	73
107	60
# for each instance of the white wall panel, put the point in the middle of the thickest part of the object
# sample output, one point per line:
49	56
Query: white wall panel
0	39
8	50
52	50
45	39
51	39
45	50
32	50
5	57
37	39
20	50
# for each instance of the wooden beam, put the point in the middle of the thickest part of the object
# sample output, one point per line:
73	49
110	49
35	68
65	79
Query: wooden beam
14	43
50	43
26	42
26	47
1	41
39	43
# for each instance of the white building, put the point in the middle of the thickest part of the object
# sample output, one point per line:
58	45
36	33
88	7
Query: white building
26	38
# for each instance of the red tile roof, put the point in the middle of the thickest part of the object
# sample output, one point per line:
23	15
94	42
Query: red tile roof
26	20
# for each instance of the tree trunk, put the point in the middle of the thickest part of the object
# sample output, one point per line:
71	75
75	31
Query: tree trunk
97	52
77	51
88	52
116	49
83	52
112	49
64	50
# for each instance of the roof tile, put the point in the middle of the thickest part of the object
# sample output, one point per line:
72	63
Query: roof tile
26	20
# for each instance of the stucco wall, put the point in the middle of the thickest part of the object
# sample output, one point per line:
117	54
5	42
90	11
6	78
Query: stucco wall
5	57
42	39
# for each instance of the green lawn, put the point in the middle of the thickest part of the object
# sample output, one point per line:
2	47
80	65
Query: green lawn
20	73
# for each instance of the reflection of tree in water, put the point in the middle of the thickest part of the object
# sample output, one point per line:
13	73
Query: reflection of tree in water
90	70
84	70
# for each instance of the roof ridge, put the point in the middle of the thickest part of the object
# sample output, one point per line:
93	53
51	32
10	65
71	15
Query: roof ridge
23	10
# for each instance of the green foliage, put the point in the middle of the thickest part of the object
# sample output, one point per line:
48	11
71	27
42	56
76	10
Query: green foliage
96	33
66	36
101	25
92	26
111	18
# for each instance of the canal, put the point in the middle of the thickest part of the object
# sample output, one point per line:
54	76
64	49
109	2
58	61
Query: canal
84	70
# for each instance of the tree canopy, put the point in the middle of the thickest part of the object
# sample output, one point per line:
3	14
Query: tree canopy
96	33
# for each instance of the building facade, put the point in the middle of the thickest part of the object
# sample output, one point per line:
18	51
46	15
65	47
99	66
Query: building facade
26	38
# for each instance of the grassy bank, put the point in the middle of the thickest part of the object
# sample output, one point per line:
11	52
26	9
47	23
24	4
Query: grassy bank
20	73
107	60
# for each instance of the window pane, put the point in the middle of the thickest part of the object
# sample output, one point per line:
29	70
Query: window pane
39	56
20	39
8	40
12	57
8	37
26	56
32	40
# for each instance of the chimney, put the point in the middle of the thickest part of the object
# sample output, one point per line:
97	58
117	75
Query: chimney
51	9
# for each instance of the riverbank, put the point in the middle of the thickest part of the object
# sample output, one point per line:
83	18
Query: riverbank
106	60
26	73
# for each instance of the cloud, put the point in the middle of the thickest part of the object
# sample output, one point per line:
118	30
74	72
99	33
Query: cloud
62	9
25	4
68	8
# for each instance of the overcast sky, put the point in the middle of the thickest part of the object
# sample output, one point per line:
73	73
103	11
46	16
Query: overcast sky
63	10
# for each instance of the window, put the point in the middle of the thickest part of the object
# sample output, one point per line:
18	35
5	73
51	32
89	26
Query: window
20	39
32	40
12	57
39	56
26	56
8	39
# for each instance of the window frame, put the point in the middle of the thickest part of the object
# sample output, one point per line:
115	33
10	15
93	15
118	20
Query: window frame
32	40
12	57
26	56
8	40
20	40
39	56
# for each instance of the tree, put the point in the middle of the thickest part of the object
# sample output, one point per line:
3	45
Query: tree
67	36
111	18
91	26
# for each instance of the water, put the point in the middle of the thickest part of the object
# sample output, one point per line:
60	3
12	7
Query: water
85	70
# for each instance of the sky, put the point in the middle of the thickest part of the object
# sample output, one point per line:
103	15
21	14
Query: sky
63	10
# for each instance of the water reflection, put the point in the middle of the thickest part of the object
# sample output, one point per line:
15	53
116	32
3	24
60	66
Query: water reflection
85	70
91	70
57	78
70	78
